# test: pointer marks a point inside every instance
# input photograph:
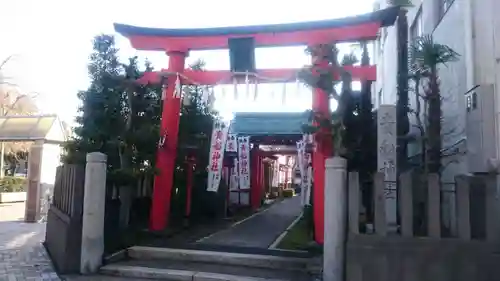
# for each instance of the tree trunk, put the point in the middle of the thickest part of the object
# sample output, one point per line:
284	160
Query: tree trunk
126	200
402	108
434	125
126	192
420	126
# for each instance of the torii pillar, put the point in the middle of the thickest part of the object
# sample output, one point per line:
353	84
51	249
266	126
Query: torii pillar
167	152
324	150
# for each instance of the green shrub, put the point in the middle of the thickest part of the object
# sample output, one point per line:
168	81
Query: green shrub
13	184
308	217
288	192
273	195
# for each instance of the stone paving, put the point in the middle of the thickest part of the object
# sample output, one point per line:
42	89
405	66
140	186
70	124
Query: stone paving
260	230
22	255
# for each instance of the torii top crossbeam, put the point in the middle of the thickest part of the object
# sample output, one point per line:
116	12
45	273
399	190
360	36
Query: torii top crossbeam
355	28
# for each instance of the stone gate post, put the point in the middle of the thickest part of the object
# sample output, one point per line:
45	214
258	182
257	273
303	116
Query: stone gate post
335	219
32	209
93	213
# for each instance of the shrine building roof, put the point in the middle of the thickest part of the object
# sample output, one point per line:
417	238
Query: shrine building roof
268	124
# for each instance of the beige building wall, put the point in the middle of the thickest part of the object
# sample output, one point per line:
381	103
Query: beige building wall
472	29
471	125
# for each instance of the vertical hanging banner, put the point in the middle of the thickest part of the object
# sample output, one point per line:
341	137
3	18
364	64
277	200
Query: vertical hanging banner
307	178
217	148
308	183
300	163
244	162
234	176
304	161
232	143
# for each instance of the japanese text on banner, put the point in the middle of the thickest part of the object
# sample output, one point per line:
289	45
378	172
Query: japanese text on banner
244	162
232	143
217	147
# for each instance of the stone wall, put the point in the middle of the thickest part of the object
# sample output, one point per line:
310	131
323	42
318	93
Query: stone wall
423	247
376	258
63	236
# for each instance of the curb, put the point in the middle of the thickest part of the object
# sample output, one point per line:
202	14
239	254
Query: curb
276	242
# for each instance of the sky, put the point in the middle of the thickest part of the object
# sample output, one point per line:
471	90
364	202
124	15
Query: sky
51	41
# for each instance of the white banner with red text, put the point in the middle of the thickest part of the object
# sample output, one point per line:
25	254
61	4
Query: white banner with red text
217	148
244	162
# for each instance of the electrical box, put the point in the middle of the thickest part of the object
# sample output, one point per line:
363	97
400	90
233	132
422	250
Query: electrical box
242	54
480	129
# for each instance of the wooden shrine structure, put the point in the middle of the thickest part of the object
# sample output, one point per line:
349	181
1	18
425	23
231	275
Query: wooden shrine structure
241	42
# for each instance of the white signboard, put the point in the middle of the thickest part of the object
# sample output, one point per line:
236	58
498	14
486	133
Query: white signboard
304	161
307	190
386	159
217	147
307	178
233	185
232	143
244	162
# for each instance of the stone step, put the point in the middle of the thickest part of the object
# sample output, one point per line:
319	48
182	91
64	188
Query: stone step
198	271
221	258
135	272
102	278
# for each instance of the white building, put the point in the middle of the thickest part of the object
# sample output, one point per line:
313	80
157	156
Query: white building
471	125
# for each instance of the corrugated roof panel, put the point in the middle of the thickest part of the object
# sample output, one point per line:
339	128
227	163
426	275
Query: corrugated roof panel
25	127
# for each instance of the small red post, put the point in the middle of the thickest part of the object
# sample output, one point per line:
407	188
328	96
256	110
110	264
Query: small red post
264	184
286	172
254	177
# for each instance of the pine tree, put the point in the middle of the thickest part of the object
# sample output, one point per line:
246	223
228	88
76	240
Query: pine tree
120	117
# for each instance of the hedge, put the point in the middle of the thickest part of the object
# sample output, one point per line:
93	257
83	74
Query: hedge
13	184
288	192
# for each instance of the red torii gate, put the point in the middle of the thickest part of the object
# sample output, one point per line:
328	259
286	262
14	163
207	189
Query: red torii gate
178	42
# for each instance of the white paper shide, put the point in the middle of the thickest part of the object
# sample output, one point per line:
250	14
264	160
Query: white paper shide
304	160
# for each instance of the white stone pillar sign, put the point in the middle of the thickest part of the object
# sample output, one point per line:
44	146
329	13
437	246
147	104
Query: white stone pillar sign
335	219
93	213
386	160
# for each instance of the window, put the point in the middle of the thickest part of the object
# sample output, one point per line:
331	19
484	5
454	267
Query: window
443	6
416	28
447	4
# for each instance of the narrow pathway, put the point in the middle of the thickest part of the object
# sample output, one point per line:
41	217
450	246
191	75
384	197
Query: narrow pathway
260	230
22	255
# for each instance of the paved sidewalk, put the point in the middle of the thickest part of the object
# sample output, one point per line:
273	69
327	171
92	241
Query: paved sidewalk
22	255
259	231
